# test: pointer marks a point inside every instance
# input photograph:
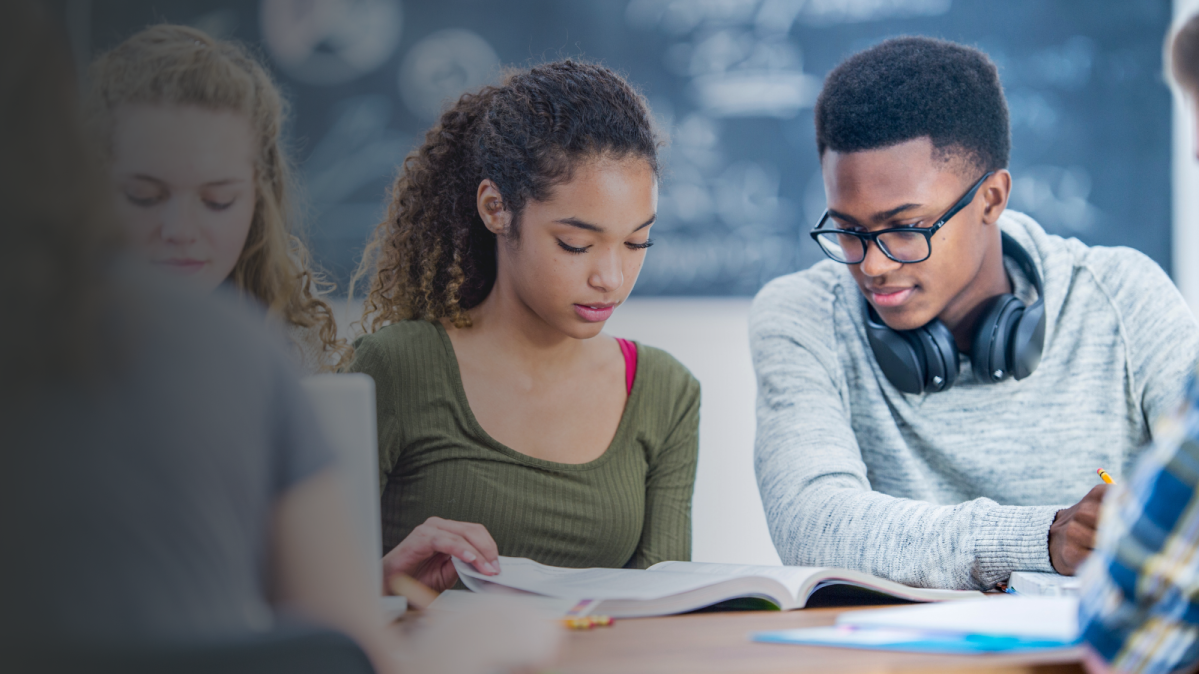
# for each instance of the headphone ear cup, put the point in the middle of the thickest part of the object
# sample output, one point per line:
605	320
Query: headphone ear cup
990	351
1027	341
941	356
924	360
899	356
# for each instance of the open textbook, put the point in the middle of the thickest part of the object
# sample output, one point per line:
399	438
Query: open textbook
678	587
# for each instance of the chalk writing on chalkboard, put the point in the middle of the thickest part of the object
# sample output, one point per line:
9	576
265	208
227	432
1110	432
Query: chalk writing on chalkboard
732	83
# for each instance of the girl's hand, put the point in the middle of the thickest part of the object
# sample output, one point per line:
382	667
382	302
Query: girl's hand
426	553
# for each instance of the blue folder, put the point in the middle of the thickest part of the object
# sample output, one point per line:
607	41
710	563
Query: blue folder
915	641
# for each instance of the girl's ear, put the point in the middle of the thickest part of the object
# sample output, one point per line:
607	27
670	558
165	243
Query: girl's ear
490	202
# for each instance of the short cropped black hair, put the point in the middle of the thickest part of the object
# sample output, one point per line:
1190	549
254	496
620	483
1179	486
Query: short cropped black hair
913	87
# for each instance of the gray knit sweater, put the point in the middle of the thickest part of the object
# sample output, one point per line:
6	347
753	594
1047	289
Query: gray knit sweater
958	489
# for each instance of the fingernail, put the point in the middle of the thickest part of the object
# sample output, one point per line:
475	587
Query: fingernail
490	568
468	557
496	565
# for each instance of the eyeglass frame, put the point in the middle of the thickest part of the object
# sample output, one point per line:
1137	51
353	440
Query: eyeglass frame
872	237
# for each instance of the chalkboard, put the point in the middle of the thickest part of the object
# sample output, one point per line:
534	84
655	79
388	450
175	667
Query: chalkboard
731	81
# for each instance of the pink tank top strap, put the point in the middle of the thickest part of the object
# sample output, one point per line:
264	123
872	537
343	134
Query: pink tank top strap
629	351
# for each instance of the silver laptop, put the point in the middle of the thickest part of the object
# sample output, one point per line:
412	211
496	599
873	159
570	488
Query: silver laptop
345	409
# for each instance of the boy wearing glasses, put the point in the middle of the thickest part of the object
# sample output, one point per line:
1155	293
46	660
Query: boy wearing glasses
933	401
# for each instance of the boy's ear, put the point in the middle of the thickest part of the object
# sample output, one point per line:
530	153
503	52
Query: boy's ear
995	193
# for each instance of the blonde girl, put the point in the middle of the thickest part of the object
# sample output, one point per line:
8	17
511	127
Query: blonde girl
191	130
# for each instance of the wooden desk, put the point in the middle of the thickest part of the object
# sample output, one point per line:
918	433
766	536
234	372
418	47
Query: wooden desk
712	643
707	643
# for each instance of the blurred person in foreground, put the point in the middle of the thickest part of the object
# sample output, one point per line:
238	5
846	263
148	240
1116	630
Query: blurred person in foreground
1140	606
162	476
191	130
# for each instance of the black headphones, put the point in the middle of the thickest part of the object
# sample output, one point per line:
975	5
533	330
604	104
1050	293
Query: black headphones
1007	342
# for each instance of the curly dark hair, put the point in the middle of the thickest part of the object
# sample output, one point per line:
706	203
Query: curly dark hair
432	258
914	87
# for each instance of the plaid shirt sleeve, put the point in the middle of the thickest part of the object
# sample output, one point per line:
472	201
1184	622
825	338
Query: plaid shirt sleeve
1140	605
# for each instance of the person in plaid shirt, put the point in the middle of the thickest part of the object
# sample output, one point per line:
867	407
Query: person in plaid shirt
1140	605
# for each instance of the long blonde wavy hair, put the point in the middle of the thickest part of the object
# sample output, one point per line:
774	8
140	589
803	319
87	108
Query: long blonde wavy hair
177	65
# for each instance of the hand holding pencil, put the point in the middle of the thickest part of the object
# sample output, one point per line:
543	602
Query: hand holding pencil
1072	534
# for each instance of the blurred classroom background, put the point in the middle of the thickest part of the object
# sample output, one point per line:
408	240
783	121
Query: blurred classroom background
1100	151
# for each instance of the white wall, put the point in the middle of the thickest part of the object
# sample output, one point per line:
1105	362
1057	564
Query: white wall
1186	190
710	336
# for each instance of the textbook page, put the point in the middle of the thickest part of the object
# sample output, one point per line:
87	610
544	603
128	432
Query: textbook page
527	575
466	601
792	577
802	581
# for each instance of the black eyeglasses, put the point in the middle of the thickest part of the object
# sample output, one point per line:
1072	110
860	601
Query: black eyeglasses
902	244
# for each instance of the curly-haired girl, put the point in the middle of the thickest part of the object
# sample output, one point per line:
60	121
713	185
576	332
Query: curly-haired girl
191	128
508	423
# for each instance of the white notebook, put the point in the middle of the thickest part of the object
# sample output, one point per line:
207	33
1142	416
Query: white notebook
1038	584
678	587
1051	618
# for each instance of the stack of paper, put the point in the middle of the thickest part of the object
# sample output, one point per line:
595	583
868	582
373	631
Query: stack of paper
465	601
998	624
1038	584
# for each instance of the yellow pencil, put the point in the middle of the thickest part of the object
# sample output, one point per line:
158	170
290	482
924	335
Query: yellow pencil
1106	478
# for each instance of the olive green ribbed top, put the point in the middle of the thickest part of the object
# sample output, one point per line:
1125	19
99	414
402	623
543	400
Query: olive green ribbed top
629	507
